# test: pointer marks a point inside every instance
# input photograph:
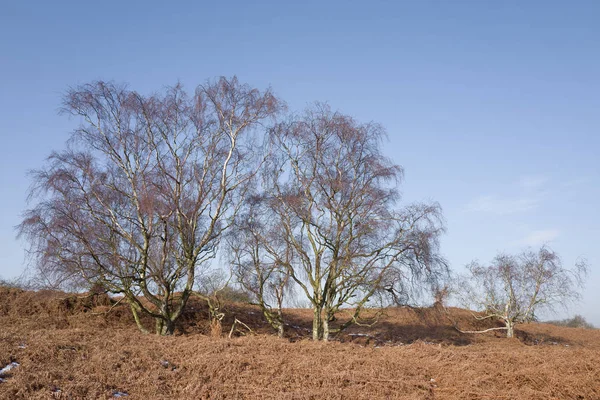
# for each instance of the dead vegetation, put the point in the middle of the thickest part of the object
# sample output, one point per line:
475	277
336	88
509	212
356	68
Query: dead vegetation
67	347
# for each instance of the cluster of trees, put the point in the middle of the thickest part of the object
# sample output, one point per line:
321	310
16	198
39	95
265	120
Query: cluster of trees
151	188
576	321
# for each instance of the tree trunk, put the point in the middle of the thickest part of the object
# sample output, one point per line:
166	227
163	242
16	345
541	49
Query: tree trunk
510	331
281	326
136	317
317	331
164	327
326	329
275	319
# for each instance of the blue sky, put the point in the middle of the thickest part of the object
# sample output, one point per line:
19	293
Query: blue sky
491	107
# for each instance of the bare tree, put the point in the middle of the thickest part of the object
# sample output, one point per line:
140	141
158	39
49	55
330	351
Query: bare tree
331	197
210	286
257	266
145	189
513	288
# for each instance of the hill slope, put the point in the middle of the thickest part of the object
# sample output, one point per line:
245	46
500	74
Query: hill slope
66	349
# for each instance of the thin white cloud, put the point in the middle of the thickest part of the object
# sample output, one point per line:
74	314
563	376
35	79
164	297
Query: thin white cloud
500	206
532	182
540	237
526	194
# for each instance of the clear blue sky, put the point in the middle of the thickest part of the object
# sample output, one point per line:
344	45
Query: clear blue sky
493	108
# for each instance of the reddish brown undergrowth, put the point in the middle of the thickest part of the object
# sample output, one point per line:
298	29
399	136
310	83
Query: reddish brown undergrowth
67	349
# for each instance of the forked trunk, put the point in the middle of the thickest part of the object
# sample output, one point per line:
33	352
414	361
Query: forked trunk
164	327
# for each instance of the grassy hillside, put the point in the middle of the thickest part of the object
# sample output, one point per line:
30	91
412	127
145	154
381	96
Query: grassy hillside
67	348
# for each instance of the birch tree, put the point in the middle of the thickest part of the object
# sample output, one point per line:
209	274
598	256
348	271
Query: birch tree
145	189
513	288
332	199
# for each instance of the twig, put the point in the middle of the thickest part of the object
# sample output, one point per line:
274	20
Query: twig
483	331
237	321
455	324
110	309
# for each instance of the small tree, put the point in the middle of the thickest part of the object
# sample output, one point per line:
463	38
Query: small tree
210	286
513	288
256	249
